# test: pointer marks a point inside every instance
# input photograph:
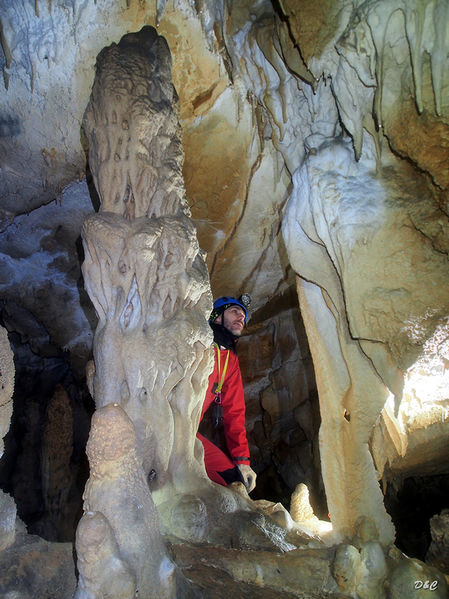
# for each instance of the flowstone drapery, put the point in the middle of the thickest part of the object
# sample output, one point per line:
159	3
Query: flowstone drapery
150	345
372	265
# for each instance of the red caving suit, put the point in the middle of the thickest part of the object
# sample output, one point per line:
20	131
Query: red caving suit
233	402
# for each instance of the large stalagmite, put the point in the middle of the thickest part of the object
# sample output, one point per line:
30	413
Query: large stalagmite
146	276
143	269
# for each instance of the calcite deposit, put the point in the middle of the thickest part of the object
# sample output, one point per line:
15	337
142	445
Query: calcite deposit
361	334
315	139
145	274
144	269
119	535
132	129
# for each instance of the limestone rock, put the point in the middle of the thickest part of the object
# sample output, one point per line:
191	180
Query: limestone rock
300	507
303	574
189	518
38	252
367	348
368	240
7	505
36	569
127	523
326	326
144	270
156	276
135	150
98	553
361	572
313	25
438	552
347	568
412	578
276	511
372	583
8	513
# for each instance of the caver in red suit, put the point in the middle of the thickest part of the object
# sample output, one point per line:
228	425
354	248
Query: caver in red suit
221	467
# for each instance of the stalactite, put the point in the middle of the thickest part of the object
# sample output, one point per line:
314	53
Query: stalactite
291	54
7	55
421	40
368	36
414	20
274	97
439	55
160	10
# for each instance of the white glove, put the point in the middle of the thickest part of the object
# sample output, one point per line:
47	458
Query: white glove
249	476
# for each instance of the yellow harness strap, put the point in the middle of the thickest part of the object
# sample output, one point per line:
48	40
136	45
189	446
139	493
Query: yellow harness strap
223	374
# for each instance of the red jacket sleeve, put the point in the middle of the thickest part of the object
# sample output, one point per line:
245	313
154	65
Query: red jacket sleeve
234	411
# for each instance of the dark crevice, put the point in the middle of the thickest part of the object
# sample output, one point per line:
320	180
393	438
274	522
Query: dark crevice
412	506
22	471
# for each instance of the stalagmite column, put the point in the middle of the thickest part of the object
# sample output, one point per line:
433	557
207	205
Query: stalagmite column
147	278
143	269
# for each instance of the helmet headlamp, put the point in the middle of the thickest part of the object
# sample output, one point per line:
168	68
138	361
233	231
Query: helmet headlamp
223	303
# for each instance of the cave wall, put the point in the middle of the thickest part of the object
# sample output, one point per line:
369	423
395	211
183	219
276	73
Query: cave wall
328	122
282	409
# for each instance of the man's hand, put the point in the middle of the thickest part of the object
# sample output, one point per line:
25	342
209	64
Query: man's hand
249	476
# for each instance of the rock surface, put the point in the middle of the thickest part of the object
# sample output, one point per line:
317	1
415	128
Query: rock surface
118	534
7	506
343	108
36	569
438	553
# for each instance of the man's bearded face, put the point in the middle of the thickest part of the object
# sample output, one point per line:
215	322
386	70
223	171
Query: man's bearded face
233	319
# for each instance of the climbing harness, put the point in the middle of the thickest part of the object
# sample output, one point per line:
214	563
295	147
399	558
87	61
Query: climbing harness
217	408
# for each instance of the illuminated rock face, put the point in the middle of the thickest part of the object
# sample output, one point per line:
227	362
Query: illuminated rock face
368	240
377	300
6	385
133	130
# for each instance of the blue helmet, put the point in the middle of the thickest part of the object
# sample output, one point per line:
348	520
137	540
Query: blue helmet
223	303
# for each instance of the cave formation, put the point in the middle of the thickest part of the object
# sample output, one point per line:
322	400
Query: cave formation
294	152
